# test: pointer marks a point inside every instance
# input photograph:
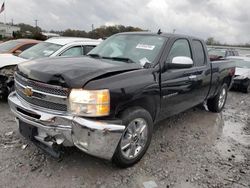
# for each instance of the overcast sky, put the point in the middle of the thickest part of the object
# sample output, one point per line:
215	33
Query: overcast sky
225	20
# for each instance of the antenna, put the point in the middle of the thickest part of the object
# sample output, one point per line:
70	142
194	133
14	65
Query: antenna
159	32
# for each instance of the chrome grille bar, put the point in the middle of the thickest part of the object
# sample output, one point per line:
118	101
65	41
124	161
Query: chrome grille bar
43	95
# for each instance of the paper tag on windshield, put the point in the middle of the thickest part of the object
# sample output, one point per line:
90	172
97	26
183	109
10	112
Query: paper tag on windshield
145	46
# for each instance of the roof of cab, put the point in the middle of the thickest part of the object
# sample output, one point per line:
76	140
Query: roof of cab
67	40
161	34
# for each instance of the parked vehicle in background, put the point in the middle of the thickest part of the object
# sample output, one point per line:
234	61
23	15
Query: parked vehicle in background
242	74
106	104
17	46
58	46
217	54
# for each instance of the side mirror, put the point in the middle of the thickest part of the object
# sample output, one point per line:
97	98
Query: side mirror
180	62
17	52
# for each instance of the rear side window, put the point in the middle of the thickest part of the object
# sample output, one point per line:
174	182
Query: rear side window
229	53
236	53
73	52
180	48
199	57
88	48
25	46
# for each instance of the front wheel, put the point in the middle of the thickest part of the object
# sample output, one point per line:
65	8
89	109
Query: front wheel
136	137
246	88
217	103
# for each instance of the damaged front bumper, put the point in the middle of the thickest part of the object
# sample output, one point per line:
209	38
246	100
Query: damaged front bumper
97	138
6	83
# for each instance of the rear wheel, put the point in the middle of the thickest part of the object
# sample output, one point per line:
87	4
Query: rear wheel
136	137
217	103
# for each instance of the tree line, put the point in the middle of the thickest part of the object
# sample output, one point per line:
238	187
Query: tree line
211	41
29	31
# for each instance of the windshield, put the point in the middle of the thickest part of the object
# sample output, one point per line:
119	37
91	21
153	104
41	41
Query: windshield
217	52
43	49
140	49
9	45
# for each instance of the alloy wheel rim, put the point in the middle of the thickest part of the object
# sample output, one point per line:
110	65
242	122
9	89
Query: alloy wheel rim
222	98
134	138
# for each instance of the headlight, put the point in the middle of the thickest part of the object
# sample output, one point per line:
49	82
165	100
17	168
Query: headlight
92	103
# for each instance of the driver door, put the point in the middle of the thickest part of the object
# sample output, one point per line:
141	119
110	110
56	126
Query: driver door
178	85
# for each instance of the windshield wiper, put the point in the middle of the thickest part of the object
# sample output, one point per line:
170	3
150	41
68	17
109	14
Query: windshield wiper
125	59
95	55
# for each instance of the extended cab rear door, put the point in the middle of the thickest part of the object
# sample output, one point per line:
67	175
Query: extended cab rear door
203	75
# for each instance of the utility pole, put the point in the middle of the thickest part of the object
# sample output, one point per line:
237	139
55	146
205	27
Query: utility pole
36	21
92	26
12	21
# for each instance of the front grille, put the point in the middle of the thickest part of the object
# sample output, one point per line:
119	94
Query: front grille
44	95
56	90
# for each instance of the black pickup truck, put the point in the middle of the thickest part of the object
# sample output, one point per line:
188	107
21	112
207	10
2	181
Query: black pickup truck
107	103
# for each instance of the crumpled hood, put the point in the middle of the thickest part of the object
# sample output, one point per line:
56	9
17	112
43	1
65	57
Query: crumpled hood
242	72
72	72
9	59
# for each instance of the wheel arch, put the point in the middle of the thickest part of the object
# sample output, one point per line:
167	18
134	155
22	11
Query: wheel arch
148	103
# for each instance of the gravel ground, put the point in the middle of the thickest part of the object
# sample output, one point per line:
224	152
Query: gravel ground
194	149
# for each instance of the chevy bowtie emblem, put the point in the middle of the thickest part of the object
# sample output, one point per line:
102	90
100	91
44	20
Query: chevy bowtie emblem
28	91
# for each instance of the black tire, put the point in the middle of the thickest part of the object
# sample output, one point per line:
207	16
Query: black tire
5	94
246	87
128	116
213	104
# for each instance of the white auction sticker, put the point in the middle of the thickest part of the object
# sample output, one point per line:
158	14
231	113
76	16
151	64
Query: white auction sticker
143	61
145	46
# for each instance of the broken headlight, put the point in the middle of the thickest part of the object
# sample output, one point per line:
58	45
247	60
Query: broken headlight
8	71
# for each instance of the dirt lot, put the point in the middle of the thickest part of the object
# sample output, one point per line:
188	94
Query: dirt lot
194	149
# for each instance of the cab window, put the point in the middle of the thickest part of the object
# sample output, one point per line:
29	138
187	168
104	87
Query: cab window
73	51
181	47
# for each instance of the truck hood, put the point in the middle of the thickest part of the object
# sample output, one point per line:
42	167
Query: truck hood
72	72
9	59
242	73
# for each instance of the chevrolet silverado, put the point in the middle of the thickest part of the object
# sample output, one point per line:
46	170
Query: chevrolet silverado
107	103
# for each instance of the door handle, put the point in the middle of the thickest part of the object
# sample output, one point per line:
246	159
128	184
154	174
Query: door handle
192	77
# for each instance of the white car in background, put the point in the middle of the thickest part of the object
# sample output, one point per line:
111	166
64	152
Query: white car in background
242	73
57	46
